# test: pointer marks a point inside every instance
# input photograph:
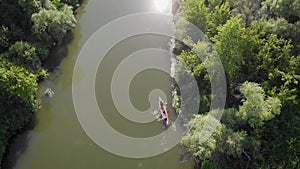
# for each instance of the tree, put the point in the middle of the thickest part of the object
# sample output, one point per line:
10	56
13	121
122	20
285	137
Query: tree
197	62
218	17
17	99
4	38
223	143
289	9
248	10
236	141
274	67
17	84
51	26
196	12
206	15
260	44
30	6
24	54
74	3
203	150
257	108
283	29
232	44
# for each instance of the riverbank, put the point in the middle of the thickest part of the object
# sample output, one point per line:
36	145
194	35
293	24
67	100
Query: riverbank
18	100
57	128
174	52
175	90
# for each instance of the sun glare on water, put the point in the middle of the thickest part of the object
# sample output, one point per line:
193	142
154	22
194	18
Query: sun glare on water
161	5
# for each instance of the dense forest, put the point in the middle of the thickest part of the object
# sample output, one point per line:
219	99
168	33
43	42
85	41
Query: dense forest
29	29
259	46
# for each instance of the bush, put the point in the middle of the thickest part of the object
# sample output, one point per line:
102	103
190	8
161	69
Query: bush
24	54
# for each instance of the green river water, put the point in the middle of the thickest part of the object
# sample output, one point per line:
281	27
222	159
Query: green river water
57	140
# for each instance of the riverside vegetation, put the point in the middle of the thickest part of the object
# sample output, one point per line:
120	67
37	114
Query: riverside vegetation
257	41
259	46
29	29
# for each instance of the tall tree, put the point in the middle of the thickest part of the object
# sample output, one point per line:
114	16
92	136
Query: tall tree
231	43
50	26
257	108
236	141
288	9
196	12
17	84
24	54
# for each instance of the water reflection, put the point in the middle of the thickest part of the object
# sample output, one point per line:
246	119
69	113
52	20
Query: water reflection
162	6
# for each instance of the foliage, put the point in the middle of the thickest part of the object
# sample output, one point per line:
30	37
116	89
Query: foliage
21	56
17	83
206	15
30	6
73	3
24	54
289	9
249	10
196	12
281	27
42	74
4	38
197	62
42	51
231	50
258	44
218	17
50	26
17	98
233	139
281	147
203	150
256	107
210	165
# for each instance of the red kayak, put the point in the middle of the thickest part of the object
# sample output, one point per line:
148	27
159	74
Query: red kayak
163	111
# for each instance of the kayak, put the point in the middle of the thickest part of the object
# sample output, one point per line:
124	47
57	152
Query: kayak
163	111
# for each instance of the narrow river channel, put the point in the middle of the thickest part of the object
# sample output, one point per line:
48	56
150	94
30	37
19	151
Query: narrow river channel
57	140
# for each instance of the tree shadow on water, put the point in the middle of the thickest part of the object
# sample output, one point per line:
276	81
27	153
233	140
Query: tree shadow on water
17	147
58	53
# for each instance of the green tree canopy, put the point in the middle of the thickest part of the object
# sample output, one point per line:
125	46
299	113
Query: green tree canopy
50	26
4	38
257	108
231	44
249	10
16	84
30	6
196	12
289	9
24	54
232	138
218	17
206	15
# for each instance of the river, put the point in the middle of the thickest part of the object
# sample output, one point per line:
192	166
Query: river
57	139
